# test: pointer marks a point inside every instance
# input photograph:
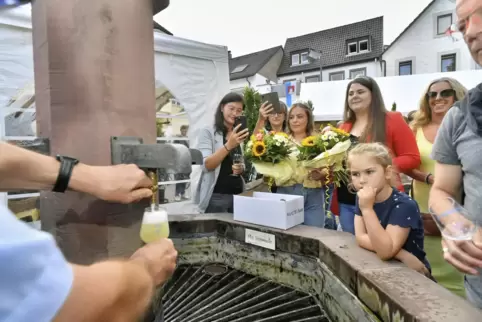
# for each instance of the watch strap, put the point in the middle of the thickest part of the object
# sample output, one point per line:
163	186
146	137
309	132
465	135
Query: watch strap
65	172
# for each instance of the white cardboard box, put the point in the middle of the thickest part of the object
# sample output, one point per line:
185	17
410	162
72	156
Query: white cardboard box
269	209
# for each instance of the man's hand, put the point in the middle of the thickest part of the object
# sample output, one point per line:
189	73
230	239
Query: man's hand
124	183
366	197
466	256
159	258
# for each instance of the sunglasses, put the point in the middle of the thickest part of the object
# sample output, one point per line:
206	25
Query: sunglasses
445	93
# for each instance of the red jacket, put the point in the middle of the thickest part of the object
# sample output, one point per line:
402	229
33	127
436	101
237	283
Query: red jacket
400	140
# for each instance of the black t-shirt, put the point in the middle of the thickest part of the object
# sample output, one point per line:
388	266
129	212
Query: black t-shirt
227	183
345	196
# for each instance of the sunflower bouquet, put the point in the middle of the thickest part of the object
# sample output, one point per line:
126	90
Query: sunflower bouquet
272	154
326	150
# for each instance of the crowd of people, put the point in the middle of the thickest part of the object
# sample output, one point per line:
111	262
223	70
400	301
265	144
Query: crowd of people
438	150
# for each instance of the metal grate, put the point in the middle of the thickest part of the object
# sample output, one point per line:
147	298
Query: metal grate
217	293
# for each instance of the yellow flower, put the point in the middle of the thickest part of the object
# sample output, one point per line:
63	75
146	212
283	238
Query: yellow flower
339	131
282	134
308	141
259	148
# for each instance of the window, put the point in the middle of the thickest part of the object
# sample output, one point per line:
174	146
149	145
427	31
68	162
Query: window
352	48
337	76
405	68
363	45
312	79
295	59
289	80
239	68
299	58
448	63
358	72
443	23
358	46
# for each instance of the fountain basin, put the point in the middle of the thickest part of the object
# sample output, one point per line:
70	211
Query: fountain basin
347	282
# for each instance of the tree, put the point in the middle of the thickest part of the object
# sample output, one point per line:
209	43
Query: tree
394	107
252	103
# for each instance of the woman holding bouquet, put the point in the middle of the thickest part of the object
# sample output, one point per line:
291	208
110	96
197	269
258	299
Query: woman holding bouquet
367	120
219	145
300	126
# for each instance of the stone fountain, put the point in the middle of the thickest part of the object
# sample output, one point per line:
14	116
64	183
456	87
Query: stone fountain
87	54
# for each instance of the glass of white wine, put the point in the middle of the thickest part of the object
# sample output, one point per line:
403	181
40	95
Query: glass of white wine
454	221
238	160
155	224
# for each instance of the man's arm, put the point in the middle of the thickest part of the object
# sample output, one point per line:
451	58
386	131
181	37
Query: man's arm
109	291
24	169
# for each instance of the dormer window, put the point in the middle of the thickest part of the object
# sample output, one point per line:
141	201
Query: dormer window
299	58
239	68
358	46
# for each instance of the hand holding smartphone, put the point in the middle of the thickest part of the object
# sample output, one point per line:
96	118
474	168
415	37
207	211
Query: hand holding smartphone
273	99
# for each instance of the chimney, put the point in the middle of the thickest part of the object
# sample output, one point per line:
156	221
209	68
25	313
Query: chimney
230	56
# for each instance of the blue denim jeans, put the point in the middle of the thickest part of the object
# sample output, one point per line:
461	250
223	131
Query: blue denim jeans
314	199
347	218
473	289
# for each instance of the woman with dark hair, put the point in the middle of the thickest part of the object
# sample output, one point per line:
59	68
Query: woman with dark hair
367	120
300	126
219	143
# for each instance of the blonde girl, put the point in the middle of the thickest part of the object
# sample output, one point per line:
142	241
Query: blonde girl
387	221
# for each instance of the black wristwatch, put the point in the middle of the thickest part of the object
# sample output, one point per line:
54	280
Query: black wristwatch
67	164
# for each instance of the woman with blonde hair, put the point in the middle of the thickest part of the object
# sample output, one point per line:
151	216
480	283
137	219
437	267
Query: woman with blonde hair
440	95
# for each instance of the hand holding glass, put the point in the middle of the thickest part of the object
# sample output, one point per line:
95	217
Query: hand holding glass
238	162
454	221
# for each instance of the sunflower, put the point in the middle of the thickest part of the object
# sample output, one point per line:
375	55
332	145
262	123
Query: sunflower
282	134
259	148
339	131
308	141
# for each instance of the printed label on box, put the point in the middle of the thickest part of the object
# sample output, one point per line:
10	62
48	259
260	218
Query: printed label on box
260	239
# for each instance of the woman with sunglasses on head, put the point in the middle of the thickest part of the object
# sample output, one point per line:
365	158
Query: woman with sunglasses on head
269	121
367	120
438	98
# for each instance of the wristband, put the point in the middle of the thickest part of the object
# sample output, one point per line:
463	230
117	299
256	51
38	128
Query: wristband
427	177
67	164
227	148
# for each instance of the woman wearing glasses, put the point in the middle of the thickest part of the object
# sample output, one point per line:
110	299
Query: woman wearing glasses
438	98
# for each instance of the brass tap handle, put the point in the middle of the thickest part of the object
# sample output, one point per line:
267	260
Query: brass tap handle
155	187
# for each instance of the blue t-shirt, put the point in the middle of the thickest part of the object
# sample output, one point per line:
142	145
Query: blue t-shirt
35	278
401	210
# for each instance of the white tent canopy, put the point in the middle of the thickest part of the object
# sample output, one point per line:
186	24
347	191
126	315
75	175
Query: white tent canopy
197	74
329	97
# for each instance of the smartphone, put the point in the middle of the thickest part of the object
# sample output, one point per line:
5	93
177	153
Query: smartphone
273	99
241	120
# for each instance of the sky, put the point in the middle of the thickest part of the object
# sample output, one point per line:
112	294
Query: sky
247	26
